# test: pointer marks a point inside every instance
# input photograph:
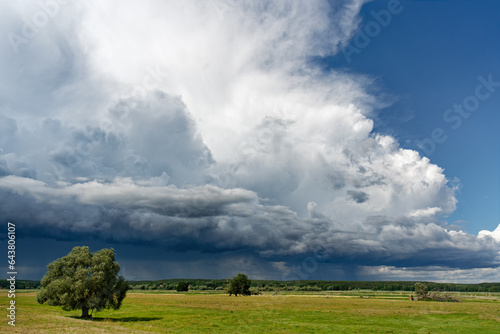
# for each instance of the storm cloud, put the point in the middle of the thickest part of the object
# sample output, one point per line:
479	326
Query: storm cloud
207	129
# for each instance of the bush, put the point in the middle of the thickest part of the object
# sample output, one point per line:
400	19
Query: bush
423	294
441	297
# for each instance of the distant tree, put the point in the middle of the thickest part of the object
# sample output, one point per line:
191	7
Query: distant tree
421	290
182	286
84	281
240	284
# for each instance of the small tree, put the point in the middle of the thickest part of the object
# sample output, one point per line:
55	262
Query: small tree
182	286
421	290
240	284
84	281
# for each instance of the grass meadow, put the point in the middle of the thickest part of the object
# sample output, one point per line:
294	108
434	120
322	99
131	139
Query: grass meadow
332	312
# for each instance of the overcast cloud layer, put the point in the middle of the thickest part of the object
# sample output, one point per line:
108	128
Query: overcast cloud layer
202	126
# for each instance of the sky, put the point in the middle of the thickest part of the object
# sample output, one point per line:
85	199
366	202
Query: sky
333	140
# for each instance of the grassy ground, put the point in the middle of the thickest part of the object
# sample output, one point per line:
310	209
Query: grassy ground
344	312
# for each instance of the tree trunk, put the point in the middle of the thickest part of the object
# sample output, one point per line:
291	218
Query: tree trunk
85	313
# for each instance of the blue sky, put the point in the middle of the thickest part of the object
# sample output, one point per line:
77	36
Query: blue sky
429	57
286	140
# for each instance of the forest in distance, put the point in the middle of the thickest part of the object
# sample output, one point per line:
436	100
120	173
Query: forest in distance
302	285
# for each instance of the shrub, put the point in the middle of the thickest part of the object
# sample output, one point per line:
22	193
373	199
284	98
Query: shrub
423	294
441	297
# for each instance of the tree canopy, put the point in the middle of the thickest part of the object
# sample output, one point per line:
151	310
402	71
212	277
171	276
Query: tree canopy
421	290
84	280
240	284
183	286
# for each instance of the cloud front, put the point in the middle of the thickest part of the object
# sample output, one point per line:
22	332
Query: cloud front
207	127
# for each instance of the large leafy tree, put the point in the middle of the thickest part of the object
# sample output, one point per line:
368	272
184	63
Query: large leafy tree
84	281
240	284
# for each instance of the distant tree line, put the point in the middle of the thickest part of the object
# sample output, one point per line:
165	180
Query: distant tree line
20	284
309	285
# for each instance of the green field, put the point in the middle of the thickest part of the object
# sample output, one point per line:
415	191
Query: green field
342	312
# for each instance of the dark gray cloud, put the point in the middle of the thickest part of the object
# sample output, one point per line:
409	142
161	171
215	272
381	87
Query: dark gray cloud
358	196
215	220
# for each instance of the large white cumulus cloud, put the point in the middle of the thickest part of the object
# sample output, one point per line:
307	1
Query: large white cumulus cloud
204	125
